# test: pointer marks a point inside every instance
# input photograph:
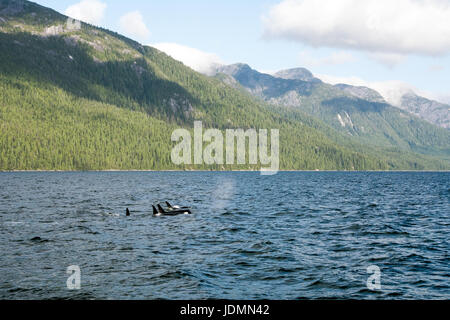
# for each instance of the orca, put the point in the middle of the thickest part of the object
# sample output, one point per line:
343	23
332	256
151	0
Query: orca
155	211
128	212
175	207
171	212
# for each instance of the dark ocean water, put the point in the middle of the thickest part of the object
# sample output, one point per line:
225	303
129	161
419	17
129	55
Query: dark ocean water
288	236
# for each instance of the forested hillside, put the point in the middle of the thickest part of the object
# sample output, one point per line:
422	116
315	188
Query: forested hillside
90	99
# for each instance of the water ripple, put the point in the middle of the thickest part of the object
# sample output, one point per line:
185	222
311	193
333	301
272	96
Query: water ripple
290	236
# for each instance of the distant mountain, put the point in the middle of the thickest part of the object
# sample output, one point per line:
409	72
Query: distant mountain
77	97
306	75
432	111
429	110
297	74
267	86
363	93
359	112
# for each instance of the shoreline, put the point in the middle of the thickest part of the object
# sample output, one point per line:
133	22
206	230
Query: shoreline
256	171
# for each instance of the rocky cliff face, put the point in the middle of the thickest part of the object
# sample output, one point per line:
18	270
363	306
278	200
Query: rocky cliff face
267	86
432	111
361	92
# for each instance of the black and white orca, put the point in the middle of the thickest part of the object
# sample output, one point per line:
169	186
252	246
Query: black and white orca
155	211
175	212
175	207
128	213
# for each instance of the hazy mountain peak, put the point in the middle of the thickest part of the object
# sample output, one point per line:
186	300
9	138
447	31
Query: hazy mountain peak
432	111
361	92
411	95
265	85
296	74
234	69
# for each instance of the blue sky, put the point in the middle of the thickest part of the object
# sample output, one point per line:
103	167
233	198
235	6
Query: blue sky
326	36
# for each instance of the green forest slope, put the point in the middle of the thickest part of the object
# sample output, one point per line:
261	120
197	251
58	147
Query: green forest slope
91	99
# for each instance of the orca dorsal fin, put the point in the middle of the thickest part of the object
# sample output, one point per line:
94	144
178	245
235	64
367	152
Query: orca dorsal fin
155	212
169	205
128	213
161	210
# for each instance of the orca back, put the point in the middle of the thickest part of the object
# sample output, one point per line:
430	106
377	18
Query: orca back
161	210
169	205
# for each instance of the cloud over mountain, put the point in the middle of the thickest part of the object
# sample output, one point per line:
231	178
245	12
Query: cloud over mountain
91	11
203	62
132	23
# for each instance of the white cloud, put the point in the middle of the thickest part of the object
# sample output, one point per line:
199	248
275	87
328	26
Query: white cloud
132	23
396	26
388	59
91	11
311	60
198	60
444	98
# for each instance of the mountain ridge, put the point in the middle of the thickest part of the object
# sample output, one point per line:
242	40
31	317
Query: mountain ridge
296	74
91	99
373	120
432	111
